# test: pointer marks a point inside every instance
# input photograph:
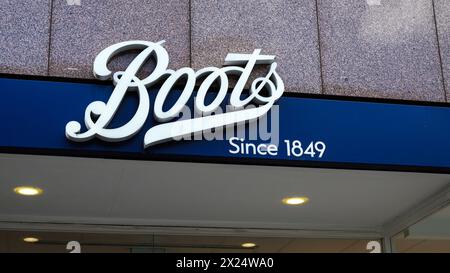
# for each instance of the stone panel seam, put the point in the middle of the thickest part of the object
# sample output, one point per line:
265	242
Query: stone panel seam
439	51
322	87
49	37
190	32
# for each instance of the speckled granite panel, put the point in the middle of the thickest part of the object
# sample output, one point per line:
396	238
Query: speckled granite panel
24	32
385	48
442	10
79	33
287	29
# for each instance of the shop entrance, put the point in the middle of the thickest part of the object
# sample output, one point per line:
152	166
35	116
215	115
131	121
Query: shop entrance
63	242
145	206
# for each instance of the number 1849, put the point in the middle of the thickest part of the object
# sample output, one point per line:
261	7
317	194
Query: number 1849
297	149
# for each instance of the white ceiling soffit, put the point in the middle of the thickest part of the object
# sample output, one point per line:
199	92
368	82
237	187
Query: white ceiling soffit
137	193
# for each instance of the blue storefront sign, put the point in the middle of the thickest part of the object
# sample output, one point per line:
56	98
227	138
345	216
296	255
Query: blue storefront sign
309	131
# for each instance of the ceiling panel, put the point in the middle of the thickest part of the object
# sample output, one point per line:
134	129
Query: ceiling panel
126	192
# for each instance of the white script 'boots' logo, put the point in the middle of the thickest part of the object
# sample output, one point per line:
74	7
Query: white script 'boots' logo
98	114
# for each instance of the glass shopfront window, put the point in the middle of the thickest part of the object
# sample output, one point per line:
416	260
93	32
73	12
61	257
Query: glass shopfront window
65	242
431	234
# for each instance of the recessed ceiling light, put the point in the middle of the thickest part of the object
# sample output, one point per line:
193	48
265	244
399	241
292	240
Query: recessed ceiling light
26	190
248	245
295	201
30	240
